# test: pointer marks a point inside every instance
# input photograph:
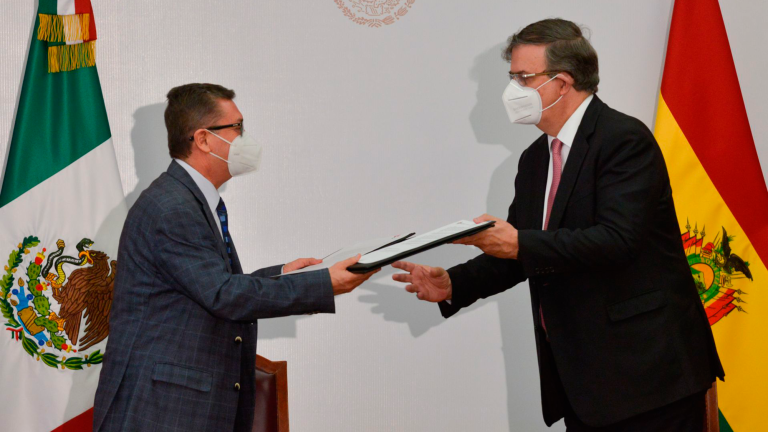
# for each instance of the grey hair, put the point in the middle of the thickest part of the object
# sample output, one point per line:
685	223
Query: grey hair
567	50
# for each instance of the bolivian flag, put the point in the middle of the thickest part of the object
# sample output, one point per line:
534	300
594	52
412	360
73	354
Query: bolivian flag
61	211
721	201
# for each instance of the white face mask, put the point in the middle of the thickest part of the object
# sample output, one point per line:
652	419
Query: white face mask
523	104
244	154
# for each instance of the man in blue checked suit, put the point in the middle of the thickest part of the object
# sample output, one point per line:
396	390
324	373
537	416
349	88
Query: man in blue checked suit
182	346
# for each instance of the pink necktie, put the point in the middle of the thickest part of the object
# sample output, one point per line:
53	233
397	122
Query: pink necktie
557	169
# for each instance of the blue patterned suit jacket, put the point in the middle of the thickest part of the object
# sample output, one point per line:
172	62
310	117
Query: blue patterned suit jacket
182	344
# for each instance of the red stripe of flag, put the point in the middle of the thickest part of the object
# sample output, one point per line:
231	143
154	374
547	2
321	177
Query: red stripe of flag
81	423
84	6
701	88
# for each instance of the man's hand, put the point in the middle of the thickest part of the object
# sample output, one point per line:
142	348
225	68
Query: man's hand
499	241
345	281
431	284
300	264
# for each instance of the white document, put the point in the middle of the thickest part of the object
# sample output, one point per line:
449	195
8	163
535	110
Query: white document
420	240
347	252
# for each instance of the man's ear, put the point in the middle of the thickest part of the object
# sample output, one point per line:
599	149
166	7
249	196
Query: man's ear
201	140
567	81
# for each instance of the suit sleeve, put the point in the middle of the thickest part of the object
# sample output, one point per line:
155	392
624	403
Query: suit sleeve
187	254
268	271
628	188
484	275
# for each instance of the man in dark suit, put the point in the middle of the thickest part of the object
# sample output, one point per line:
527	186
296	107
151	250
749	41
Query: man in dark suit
181	354
622	339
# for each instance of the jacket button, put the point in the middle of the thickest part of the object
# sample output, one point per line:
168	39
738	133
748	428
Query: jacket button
238	340
237	386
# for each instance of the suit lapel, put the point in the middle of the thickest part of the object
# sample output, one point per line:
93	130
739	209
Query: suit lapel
176	171
573	164
236	267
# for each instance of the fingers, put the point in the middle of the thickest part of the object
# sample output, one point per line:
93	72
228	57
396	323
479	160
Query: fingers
349	261
421	294
413	289
370	273
363	276
404	265
469	240
358	279
485	217
304	262
403	277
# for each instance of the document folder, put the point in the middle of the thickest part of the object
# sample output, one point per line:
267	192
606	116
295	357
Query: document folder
414	245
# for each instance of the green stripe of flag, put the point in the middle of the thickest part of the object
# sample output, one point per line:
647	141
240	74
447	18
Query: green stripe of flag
61	117
48	7
724	426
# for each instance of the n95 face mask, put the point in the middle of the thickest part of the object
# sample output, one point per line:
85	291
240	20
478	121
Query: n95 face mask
524	104
244	154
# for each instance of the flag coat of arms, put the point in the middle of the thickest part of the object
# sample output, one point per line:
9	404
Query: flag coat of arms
721	201
62	208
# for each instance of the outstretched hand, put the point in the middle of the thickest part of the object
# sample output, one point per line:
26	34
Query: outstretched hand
431	284
499	240
345	281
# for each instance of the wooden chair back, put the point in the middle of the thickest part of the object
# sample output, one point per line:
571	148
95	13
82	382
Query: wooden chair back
712	419
271	396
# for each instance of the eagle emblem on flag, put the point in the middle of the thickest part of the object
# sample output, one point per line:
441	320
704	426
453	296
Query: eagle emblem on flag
719	273
45	300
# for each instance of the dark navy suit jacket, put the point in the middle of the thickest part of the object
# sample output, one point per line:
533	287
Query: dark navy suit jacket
182	344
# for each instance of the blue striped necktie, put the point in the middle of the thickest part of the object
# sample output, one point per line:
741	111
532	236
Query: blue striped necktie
221	211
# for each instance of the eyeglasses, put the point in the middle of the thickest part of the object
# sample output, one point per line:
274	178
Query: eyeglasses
521	78
215	128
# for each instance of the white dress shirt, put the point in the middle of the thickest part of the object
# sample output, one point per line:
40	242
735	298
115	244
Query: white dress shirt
207	188
566	136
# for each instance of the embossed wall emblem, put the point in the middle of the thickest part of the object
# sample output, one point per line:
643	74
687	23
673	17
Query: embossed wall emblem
374	13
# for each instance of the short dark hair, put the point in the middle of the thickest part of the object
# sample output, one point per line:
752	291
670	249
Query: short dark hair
567	50
191	107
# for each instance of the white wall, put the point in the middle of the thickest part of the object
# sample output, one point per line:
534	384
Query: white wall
373	132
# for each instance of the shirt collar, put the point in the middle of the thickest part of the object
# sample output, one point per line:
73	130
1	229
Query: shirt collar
206	187
568	132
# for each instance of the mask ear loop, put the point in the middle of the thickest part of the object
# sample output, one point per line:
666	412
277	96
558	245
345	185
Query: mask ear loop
217	136
558	99
214	154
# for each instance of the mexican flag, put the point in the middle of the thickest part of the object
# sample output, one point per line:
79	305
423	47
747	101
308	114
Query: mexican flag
721	201
61	212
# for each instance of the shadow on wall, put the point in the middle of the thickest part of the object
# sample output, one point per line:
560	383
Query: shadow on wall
150	148
491	126
395	304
